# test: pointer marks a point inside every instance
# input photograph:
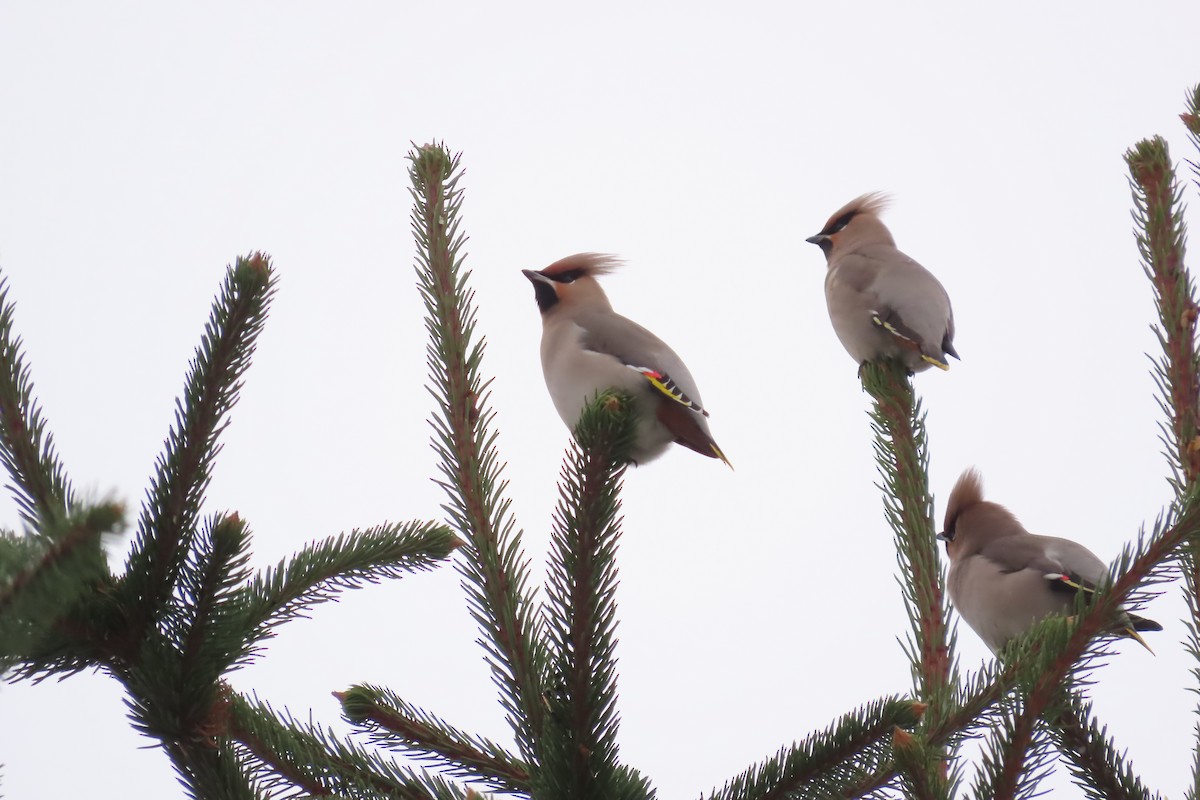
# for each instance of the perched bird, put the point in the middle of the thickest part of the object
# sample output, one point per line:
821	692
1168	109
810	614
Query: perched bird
882	303
589	348
1004	579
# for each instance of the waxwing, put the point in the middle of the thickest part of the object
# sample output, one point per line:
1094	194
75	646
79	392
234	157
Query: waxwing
589	348
1003	578
882	303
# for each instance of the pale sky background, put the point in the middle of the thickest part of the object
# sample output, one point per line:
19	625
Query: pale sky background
143	146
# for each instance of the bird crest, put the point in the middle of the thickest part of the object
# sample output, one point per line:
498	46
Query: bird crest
966	493
871	203
583	265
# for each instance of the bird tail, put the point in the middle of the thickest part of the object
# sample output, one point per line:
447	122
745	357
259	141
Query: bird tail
1143	624
1130	633
942	365
720	455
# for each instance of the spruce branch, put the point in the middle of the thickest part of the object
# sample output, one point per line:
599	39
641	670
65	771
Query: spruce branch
209	586
213	770
580	748
17	553
37	478
39	594
1160	234
902	456
278	767
167	524
974	709
321	570
1099	768
495	572
200	751
1191	121
1016	759
291	753
395	724
916	764
825	762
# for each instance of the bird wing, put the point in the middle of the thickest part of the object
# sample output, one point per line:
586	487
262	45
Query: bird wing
889	319
906	300
1068	566
644	353
664	372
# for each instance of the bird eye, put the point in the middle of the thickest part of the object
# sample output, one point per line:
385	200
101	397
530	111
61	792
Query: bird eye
840	223
567	277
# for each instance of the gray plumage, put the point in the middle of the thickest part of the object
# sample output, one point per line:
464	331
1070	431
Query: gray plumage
882	303
588	348
1003	579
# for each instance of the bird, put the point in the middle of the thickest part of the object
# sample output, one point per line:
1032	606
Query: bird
1004	579
588	348
883	304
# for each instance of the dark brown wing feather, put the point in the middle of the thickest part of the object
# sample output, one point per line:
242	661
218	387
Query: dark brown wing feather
681	422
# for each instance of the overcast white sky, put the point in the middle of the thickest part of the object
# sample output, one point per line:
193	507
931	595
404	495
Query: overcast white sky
143	146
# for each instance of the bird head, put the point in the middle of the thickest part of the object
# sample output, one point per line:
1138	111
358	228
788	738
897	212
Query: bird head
571	282
854	224
967	493
971	521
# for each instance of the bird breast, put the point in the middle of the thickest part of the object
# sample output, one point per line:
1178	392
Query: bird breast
1000	605
574	375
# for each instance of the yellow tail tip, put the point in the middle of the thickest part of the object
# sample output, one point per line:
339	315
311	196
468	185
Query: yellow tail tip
717	452
943	367
1133	634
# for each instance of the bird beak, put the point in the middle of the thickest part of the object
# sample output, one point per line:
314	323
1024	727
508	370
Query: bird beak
943	537
535	277
818	240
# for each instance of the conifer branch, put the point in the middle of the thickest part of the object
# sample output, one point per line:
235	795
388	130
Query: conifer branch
393	723
822	764
300	754
288	770
209	585
1191	121
1161	235
185	613
916	765
38	480
974	709
55	572
210	770
496	574
1099	768
580	748
1017	758
901	453
85	528
167	524
322	569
